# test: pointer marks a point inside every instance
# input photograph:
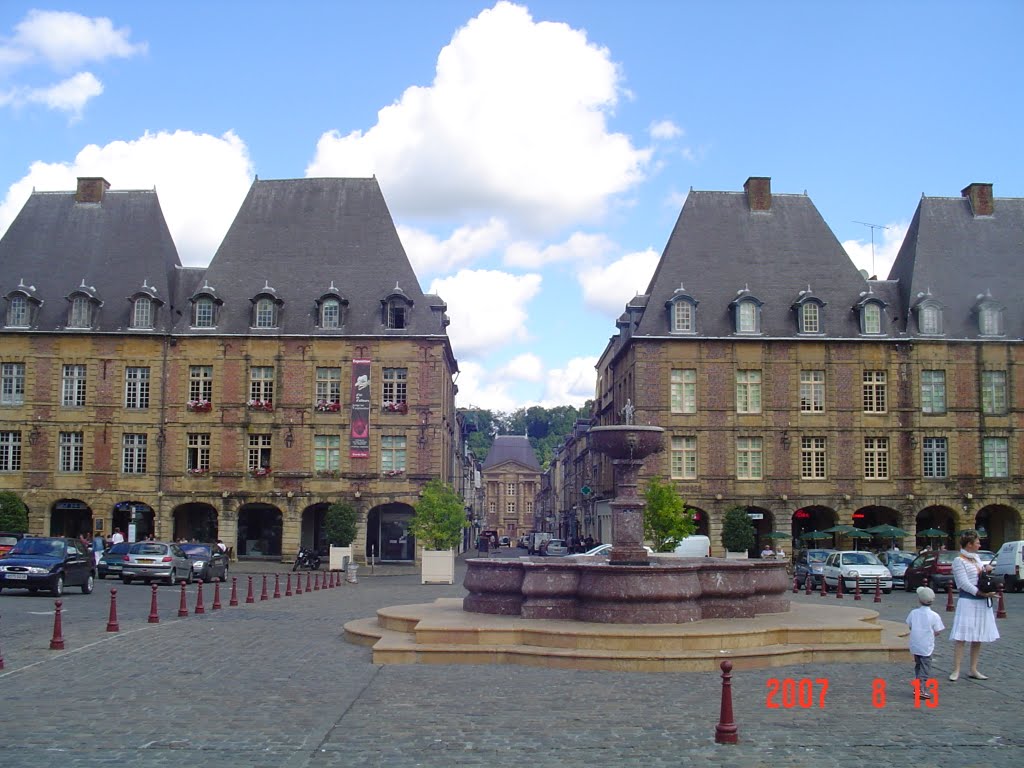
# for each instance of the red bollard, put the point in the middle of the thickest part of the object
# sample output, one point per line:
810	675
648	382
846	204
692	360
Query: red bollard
316	582
309	581
856	588
154	615
726	731
878	591
234	592
949	597
277	586
183	607
263	592
248	597
1001	610
112	625
298	584
200	608
824	587
839	586
807	584
796	585
57	641
288	586
216	596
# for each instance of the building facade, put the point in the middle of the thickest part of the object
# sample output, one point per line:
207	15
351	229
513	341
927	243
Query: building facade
510	477
812	395
303	366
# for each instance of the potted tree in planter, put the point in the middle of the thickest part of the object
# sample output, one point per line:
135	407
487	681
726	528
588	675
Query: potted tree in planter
667	521
437	525
737	533
340	525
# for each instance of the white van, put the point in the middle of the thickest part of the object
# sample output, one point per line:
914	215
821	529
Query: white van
1009	565
693	546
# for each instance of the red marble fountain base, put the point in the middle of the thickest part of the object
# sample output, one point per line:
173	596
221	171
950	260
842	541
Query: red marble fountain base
668	591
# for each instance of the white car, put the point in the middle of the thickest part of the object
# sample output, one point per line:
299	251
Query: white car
851	566
604	549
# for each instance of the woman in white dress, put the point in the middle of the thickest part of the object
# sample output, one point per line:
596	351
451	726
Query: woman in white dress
973	621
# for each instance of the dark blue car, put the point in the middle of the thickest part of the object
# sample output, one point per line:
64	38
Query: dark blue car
49	563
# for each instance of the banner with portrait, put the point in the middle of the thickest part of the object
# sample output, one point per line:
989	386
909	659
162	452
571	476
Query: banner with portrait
359	437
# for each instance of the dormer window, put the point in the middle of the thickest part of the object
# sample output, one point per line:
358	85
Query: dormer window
809	313
17	311
396	309
746	312
203	315
330	309
929	318
81	313
142	312
682	309
266	314
870	311
990	316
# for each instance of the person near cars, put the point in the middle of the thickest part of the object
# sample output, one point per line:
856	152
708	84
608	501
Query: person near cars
222	546
973	621
116	537
924	625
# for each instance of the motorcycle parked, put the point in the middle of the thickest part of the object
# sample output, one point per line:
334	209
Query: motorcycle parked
307	558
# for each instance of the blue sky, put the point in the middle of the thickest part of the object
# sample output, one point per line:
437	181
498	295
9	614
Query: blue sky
534	156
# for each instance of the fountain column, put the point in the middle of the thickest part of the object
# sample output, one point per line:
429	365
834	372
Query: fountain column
627	516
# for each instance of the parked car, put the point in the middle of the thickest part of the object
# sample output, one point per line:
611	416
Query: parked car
808	565
208	561
112	559
1009	565
930	569
554	547
48	562
8	540
604	549
504	541
897	563
851	566
152	560
987	556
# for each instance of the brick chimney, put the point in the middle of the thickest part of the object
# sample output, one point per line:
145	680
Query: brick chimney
759	193
91	189
980	196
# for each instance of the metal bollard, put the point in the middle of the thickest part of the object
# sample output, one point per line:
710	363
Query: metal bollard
856	587
200	608
154	614
112	625
726	732
57	641
183	606
1001	610
216	596
277	586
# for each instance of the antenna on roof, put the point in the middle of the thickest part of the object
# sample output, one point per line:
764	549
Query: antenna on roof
873	228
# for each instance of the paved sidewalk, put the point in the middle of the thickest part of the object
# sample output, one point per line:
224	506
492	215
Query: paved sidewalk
275	684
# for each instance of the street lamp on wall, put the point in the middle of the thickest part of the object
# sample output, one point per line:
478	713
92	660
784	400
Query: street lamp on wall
289	439
785	438
34	435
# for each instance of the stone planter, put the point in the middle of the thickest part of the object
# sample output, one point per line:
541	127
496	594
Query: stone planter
438	566
736	555
340	558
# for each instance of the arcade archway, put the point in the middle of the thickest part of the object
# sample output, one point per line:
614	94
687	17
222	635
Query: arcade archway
1000	524
259	531
71	517
133	513
196	521
312	533
387	533
764	523
700	519
937	518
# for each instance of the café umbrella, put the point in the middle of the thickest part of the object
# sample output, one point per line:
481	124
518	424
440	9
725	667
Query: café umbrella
815	536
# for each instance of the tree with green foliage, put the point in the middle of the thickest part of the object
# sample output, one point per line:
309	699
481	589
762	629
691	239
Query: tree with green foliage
737	530
341	523
440	517
667	521
13	513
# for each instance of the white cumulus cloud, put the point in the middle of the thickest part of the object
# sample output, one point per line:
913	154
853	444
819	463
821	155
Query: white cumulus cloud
428	253
573	385
200	179
886	247
514	124
609	287
525	367
665	129
487	308
70	95
64	39
580	247
479	388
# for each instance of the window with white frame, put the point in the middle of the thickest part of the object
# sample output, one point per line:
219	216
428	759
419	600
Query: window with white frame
993	392
392	453
990	320
876	458
327	453
394	387
871	318
17	312
80	315
261	384
810	317
935	458
812	391
10	451
492	507
12	384
510	508
266	313
133	453
684	458
136	387
933	391
73	386
70	451
142	312
682	316
874	392
330	314
748	391
328	387
996	456
200	383
203	313
529	507
930	319
197	454
746	317
259	452
683	390
749	458
510	489
812	458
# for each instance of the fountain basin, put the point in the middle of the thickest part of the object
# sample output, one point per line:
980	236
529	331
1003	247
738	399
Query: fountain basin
627	441
668	591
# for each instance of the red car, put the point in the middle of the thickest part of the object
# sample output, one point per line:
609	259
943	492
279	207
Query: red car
8	540
930	569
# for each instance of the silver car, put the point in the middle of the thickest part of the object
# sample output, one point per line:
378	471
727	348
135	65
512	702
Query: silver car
156	560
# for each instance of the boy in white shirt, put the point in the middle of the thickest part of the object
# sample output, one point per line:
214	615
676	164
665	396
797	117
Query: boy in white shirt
925	624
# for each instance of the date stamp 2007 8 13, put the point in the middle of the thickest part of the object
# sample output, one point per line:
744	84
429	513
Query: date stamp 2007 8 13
806	693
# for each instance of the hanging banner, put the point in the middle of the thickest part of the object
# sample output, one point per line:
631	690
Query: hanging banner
359	439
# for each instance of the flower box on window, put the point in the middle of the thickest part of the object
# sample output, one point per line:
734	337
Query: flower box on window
197	471
261	405
393	472
328	473
326	406
393	407
199	406
260	471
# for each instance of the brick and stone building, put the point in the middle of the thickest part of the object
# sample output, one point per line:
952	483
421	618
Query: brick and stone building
510	477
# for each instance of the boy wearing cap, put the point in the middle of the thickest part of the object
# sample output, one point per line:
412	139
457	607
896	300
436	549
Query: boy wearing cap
925	624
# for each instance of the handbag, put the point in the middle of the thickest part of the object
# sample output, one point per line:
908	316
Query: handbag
987	582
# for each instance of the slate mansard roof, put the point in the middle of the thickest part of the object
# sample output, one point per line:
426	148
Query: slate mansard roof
515	448
111	249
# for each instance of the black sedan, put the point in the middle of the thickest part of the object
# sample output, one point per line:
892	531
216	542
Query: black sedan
47	562
208	561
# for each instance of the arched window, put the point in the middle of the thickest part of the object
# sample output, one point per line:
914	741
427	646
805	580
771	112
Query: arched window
682	312
203	313
872	318
265	313
747	314
80	315
990	319
810	318
929	318
330	314
142	312
17	311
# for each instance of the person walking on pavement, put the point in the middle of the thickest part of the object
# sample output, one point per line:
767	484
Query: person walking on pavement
973	621
116	537
924	626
